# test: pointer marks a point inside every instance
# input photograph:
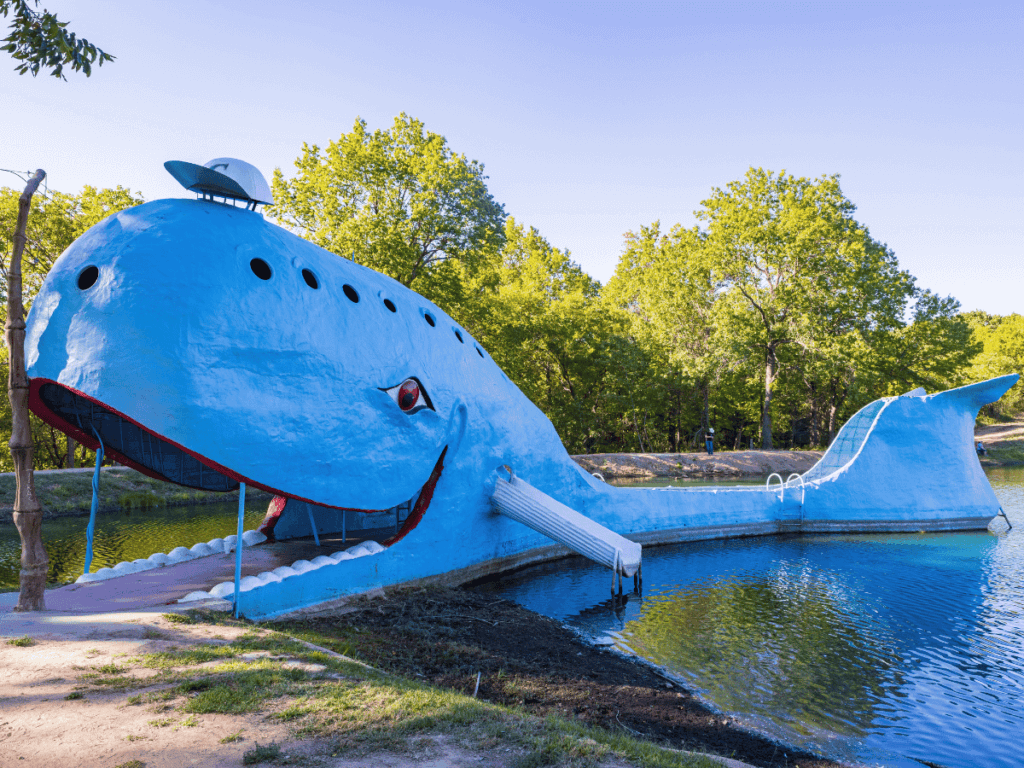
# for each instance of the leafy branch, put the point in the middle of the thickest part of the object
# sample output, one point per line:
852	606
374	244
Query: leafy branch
42	41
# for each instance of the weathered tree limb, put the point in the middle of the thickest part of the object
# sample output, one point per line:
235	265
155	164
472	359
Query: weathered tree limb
28	515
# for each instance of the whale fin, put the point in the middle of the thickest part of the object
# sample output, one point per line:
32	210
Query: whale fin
981	393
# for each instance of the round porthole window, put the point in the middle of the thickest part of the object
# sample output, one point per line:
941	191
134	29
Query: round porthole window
87	277
261	269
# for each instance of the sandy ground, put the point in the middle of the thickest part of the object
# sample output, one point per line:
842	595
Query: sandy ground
1000	433
729	464
41	728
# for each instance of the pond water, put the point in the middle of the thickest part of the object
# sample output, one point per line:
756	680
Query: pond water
890	649
124	536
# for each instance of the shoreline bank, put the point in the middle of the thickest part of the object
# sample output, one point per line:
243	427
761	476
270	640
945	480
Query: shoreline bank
698	465
68	492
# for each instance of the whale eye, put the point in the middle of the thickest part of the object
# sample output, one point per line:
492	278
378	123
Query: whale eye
410	396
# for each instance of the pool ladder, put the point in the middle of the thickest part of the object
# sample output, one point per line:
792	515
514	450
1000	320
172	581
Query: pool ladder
789	524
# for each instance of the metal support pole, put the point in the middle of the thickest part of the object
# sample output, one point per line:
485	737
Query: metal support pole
1001	512
312	524
238	544
91	528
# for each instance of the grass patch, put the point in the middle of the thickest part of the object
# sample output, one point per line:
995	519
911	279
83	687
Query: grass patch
180	618
21	642
241	695
261	754
74	695
132	764
368	711
133	737
1010	452
178	657
111	669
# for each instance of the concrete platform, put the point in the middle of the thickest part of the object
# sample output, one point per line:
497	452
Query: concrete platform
163	586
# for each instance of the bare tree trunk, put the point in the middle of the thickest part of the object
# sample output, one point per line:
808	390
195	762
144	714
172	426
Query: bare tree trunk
28	515
70	463
704	416
766	413
832	409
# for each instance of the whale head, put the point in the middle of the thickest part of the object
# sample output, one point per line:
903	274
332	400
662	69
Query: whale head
206	346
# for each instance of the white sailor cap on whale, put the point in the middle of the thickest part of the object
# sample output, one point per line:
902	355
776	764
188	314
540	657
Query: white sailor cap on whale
224	177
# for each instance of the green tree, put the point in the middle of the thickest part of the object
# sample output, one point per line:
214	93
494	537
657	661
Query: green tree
41	41
666	284
796	268
540	316
399	201
1002	351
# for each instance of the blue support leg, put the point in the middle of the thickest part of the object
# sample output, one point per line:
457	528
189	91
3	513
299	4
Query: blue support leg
238	543
312	523
91	528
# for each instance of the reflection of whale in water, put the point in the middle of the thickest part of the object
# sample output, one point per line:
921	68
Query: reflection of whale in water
208	347
749	647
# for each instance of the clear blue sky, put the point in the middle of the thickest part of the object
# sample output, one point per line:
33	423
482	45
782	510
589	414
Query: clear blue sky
591	118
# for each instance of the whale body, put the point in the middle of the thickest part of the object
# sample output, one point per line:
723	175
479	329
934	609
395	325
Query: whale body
206	346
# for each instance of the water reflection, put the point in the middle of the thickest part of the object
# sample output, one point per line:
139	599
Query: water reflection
886	648
122	536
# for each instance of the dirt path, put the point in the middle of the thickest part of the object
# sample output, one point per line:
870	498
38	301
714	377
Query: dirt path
998	433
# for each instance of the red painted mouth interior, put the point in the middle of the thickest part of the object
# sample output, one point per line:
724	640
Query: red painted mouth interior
128	442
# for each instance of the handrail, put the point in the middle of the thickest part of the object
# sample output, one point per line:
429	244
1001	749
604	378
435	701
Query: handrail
599	476
803	488
782	485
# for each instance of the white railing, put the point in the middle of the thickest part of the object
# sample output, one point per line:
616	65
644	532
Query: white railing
803	487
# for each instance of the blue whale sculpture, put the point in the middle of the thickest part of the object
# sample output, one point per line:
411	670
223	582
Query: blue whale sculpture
207	347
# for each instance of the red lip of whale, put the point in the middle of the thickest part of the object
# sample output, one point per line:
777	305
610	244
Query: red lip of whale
42	393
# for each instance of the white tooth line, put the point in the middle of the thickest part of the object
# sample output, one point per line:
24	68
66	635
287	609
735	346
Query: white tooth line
226	589
176	555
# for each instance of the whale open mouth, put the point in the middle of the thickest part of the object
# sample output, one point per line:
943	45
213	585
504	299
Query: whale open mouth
130	443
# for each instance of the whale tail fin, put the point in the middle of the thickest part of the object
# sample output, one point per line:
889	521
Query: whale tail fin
980	394
909	458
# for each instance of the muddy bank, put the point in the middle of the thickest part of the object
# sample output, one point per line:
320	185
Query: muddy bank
696	465
446	636
68	492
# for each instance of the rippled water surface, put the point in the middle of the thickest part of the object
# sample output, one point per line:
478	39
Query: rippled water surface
884	648
124	536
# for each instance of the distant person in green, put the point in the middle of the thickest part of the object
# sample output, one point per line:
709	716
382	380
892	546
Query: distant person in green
709	441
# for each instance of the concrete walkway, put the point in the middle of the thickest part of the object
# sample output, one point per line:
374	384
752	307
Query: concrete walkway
163	586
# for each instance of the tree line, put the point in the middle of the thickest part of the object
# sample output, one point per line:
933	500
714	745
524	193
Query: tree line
772	320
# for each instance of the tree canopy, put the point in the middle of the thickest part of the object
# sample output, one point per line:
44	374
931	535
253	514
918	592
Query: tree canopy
41	41
775	319
399	201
